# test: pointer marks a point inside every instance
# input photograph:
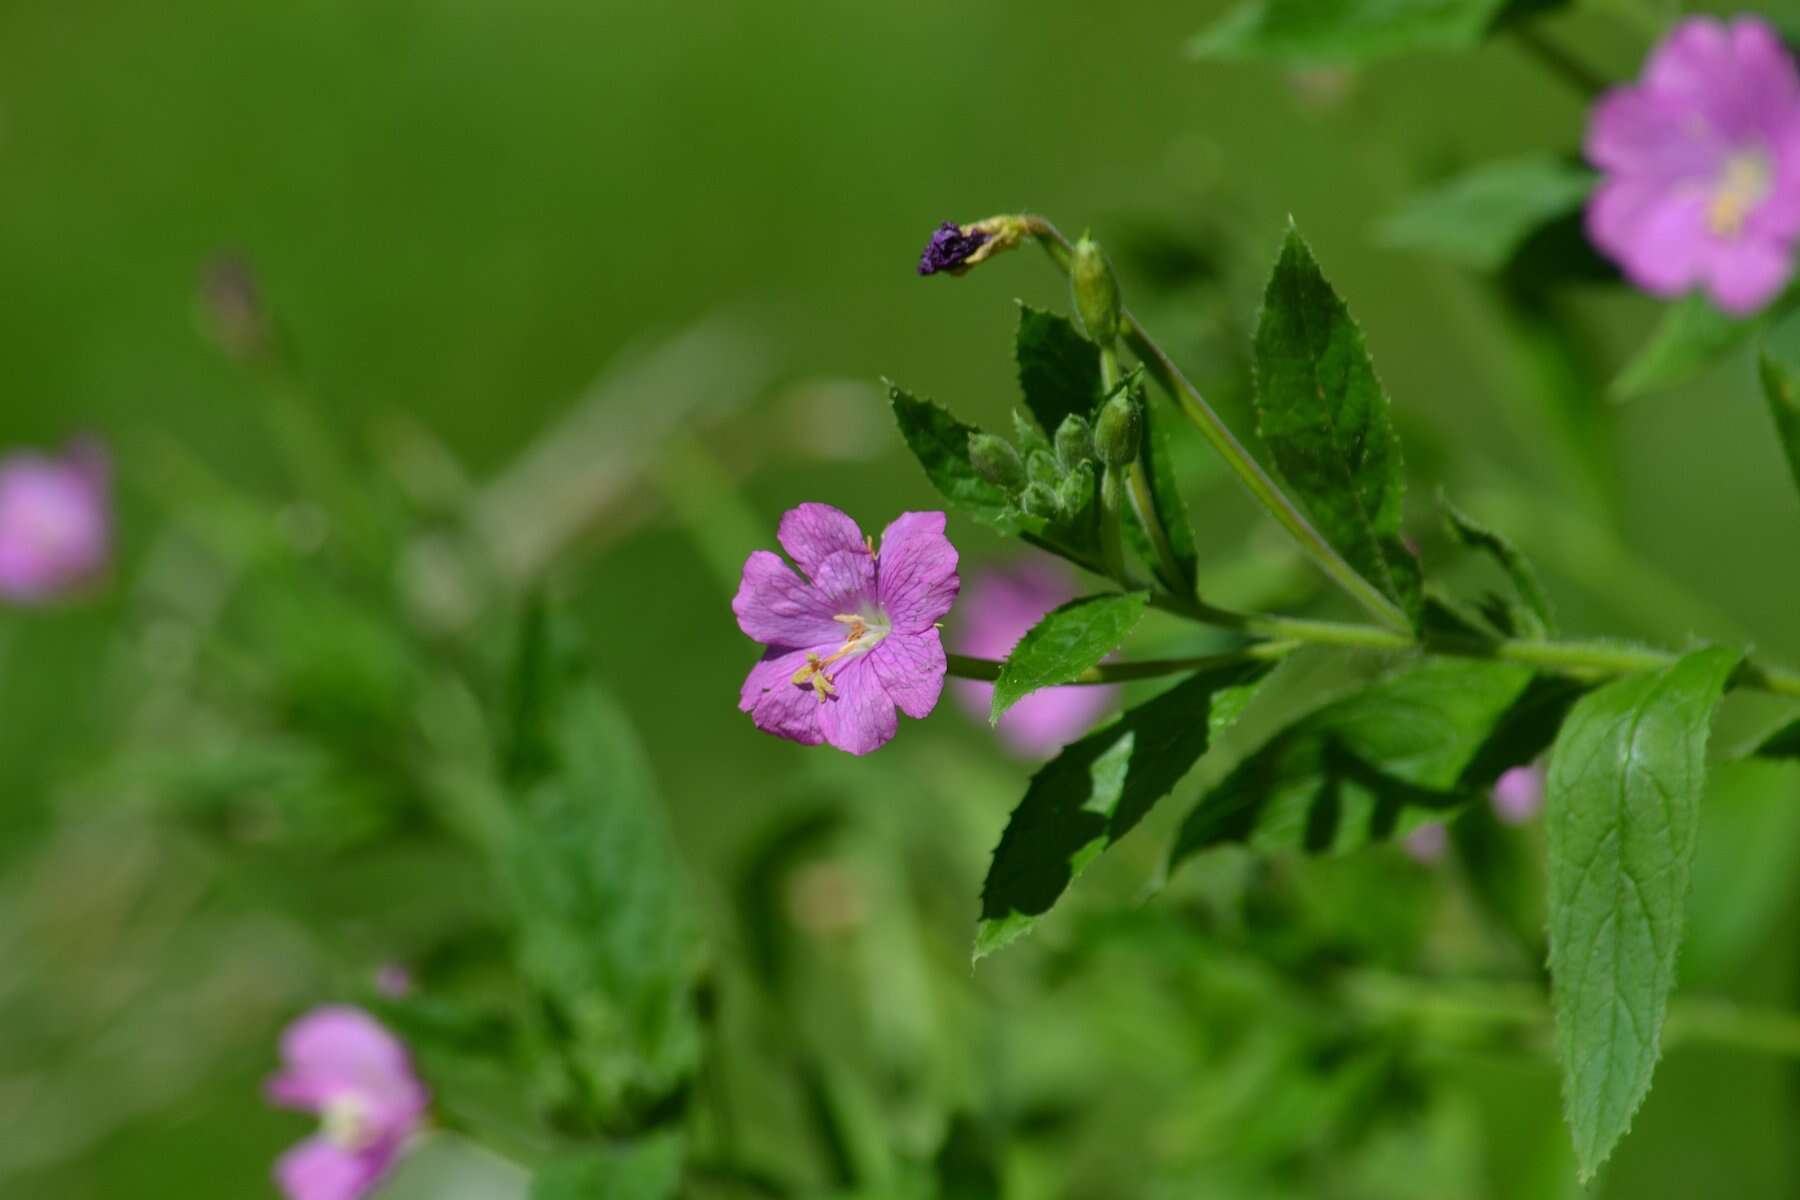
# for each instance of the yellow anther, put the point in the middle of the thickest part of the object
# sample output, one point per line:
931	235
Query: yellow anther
1743	186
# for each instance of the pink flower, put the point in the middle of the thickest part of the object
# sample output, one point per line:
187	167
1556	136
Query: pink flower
1427	844
1701	163
55	523
340	1063
853	640
1519	794
1001	607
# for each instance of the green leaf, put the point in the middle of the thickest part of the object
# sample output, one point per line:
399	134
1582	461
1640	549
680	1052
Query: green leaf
1398	753
1783	743
1691	336
941	444
1781	385
606	938
1622	809
1068	641
1095	791
1165	494
1467	531
1325	419
1351	31
1059	370
1481	218
444	1166
646	1170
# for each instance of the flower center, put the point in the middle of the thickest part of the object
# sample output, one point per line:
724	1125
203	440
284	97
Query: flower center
1742	186
862	634
346	1121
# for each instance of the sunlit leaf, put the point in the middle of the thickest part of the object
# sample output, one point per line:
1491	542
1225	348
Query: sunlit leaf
1067	641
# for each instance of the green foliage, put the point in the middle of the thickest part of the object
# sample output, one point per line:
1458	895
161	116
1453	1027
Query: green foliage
1691	336
1069	640
1157	457
606	939
1325	419
1743	875
1622	811
1375	764
941	444
1351	31
1781	387
1540	618
1481	218
1059	370
1096	791
647	1170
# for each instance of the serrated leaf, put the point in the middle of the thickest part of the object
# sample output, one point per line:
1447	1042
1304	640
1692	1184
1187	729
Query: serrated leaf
606	938
1781	387
646	1170
1481	218
1476	536
1622	809
941	444
1691	336
1069	640
1095	791
1059	370
1171	509
1351	31
1325	419
1376	764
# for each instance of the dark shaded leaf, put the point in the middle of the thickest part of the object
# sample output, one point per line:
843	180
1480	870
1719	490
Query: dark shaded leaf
1325	419
1067	641
1783	743
1482	218
1165	493
1621	813
1094	793
1059	370
1466	530
1375	764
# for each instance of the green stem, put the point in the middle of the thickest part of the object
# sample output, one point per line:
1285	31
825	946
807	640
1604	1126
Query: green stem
986	670
1112	547
1137	481
1263	489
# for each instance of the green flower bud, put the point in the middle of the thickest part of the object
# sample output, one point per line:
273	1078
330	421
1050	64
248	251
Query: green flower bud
995	460
1074	442
1116	432
1077	491
1039	499
1096	292
1040	467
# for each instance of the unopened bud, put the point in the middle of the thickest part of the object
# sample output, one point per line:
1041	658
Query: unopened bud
995	460
1116	432
1077	491
1074	442
1040	467
1096	292
1039	499
954	248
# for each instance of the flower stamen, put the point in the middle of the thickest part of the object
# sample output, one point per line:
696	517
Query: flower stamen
860	638
1742	186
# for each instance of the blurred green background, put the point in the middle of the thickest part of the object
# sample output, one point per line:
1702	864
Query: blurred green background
682	242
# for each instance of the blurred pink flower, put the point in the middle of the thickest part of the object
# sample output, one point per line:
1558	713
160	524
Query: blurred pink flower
1701	165
1519	794
55	522
854	641
340	1063
1002	605
393	981
1427	844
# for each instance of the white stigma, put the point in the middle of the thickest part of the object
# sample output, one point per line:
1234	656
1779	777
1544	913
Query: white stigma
345	1121
1741	187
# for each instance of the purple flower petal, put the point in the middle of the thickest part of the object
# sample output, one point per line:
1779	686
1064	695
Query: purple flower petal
1519	795
55	523
1747	275
811	533
861	717
911	668
917	581
318	1169
337	1053
778	608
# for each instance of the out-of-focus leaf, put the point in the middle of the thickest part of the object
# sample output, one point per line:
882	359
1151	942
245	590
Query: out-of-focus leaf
1621	814
1059	370
646	1170
1165	494
1481	218
1781	386
1743	875
1325	419
941	444
1691	336
1094	793
1351	31
448	1167
1466	530
1067	641
1375	764
605	937
1783	743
